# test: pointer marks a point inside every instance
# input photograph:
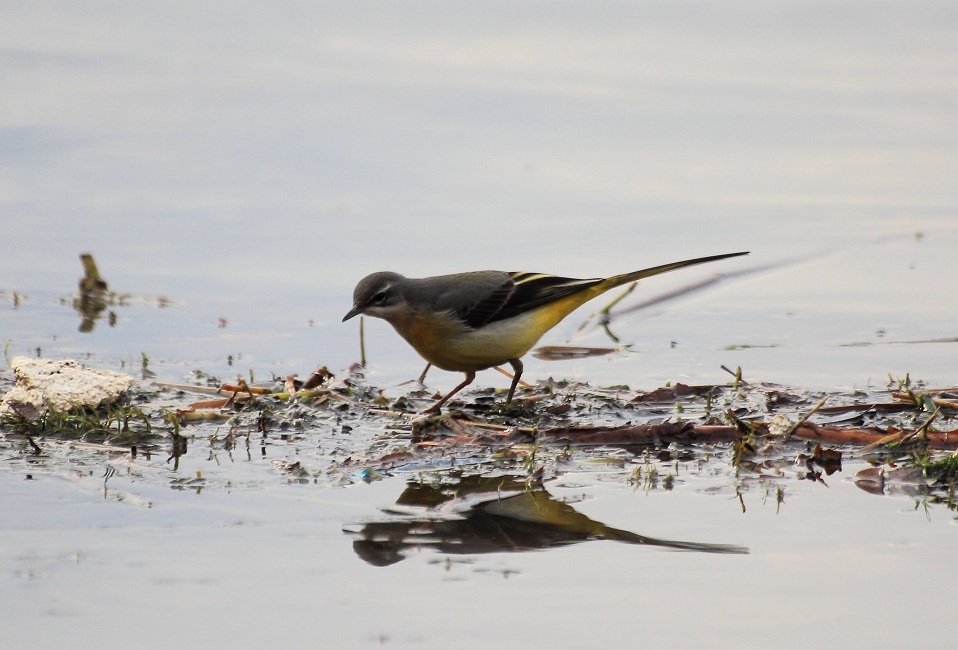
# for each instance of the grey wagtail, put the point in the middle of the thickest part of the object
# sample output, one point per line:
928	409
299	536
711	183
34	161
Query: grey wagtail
467	322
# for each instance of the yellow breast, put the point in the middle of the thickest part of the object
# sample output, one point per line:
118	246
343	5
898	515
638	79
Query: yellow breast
446	343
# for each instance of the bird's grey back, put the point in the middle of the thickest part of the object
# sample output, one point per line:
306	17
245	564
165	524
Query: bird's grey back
459	292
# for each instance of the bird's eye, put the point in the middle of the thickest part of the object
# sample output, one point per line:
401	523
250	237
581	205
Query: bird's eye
379	298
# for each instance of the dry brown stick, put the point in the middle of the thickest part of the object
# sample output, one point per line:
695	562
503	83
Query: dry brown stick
883	407
641	433
188	388
508	374
689	432
362	342
243	387
473	423
455	426
805	417
909	399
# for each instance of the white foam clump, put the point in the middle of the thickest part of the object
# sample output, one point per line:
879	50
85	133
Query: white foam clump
60	385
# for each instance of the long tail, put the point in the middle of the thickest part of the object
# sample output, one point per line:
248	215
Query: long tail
565	295
553	298
625	278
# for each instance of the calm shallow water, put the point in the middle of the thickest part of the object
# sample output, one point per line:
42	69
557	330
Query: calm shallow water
271	564
251	163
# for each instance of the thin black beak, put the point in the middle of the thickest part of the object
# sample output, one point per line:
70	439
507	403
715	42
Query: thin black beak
353	312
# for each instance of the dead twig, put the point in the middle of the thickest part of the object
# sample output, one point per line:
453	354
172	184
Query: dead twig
805	417
687	432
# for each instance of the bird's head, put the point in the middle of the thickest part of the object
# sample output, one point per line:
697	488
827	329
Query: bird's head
377	295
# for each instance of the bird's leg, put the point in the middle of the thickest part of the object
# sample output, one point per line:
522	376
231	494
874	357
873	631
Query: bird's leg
470	376
422	377
517	372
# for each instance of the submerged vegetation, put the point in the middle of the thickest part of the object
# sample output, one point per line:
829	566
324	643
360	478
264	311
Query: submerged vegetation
900	439
116	424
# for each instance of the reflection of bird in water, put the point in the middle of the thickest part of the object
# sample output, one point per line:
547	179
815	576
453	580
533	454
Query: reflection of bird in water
492	515
93	294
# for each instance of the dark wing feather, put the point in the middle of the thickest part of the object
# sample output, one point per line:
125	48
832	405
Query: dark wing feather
521	293
488	309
